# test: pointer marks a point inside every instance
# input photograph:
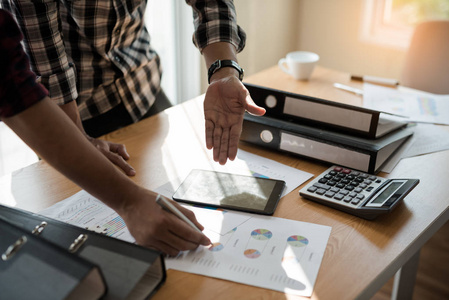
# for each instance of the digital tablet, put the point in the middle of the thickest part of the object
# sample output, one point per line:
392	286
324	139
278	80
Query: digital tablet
230	191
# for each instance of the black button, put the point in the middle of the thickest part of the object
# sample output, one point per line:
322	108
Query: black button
329	194
322	180
321	191
312	189
339	197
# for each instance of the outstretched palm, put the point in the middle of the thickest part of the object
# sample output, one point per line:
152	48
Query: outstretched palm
224	105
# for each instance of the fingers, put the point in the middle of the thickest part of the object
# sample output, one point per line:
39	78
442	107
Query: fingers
234	138
209	134
174	235
223	141
218	140
183	236
190	215
120	149
119	161
252	107
116	153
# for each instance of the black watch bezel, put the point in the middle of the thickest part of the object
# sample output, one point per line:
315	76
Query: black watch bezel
218	64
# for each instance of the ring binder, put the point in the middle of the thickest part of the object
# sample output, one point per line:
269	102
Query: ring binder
129	270
326	114
77	243
367	155
28	256
11	250
39	228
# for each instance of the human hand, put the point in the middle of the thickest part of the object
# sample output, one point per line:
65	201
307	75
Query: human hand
224	106
116	153
154	227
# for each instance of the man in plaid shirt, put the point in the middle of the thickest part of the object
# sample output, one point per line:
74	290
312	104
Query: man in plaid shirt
26	109
99	54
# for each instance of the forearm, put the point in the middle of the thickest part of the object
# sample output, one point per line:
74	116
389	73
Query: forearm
47	130
71	110
220	50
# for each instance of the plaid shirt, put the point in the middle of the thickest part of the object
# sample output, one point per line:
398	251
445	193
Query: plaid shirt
18	87
98	52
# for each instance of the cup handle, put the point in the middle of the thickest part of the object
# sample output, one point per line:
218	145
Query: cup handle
281	65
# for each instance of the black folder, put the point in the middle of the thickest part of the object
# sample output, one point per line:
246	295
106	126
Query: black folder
336	116
367	155
130	271
31	268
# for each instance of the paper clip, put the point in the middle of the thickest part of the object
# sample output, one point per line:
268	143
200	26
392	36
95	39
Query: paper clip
14	248
39	228
77	243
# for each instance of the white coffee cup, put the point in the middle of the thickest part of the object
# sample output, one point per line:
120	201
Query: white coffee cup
299	64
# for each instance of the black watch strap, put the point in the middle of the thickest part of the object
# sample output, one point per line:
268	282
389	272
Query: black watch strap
218	64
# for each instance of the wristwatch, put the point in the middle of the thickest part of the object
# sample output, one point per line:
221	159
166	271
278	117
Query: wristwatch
218	64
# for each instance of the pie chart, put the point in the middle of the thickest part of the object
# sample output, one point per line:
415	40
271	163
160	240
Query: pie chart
261	234
297	241
216	247
252	253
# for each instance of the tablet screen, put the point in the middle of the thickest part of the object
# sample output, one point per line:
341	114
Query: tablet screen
240	192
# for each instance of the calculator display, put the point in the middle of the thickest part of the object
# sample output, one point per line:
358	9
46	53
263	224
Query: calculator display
385	194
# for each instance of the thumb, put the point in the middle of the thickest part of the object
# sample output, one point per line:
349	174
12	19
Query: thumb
252	107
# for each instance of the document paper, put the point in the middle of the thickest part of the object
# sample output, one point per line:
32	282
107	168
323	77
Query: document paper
267	252
417	106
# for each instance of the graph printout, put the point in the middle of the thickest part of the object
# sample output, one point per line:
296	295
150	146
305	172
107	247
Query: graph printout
86	211
418	106
266	252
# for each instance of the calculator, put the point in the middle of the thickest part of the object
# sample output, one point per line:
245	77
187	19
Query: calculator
357	193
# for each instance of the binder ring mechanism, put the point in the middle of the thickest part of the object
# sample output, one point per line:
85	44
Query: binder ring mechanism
39	228
77	243
14	248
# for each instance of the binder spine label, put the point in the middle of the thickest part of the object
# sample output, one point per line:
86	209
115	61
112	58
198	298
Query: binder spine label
334	115
324	152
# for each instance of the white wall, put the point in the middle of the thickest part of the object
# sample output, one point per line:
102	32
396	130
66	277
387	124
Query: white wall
329	28
272	31
332	29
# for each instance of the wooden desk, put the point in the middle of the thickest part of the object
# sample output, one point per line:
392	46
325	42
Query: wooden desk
361	255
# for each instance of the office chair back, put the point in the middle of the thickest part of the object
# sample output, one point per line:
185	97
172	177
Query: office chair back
427	60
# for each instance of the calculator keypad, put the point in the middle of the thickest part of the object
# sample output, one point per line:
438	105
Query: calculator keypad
343	185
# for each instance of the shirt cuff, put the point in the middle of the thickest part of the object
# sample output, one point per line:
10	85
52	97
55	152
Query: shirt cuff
61	86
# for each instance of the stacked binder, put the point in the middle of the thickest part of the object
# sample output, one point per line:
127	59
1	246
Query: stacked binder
341	134
42	258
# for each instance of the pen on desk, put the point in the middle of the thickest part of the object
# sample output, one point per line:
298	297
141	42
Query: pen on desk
375	79
348	89
162	201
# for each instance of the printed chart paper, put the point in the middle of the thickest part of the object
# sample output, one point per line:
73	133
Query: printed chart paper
267	252
86	211
418	106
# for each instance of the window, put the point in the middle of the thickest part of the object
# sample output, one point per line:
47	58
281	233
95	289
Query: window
390	23
170	24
